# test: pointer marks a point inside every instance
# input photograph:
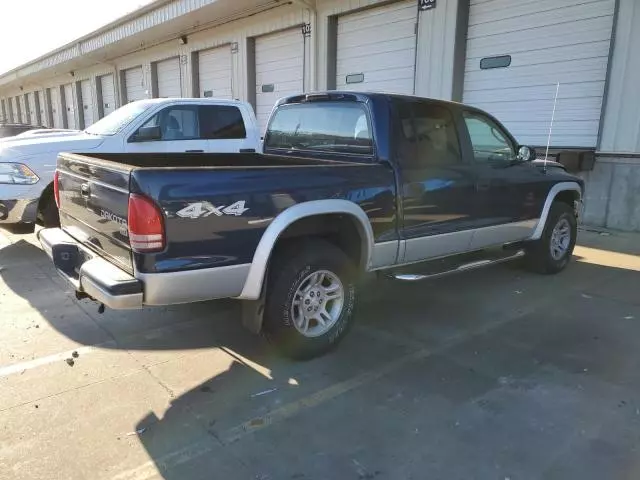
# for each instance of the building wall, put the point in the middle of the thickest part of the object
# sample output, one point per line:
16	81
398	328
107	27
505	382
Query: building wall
612	197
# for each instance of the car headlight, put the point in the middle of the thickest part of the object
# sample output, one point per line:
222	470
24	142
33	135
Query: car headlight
17	174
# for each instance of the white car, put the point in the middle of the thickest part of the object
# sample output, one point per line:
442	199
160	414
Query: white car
198	125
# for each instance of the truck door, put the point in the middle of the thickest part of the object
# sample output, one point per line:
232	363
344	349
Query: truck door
507	192
437	185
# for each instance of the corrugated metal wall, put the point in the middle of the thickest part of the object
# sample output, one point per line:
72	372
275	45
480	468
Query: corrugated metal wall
621	126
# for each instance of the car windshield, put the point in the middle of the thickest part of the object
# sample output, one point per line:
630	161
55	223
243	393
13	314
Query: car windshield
116	121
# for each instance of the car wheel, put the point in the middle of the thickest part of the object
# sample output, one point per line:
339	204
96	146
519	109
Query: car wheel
552	253
310	299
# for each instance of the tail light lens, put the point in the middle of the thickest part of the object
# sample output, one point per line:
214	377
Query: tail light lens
146	225
56	189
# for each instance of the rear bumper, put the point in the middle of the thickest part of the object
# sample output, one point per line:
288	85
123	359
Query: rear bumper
90	274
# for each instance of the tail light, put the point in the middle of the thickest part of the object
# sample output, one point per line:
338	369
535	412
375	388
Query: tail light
146	225
56	189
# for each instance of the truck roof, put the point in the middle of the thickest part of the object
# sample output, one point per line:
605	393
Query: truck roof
215	101
361	96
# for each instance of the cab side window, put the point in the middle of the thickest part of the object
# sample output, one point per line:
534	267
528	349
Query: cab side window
490	144
428	136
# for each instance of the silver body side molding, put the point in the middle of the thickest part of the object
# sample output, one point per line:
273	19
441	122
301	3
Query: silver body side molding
555	190
258	269
193	285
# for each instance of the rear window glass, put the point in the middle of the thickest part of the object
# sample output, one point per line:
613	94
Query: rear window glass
221	122
340	127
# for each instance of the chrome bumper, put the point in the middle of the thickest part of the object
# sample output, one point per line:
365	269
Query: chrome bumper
90	274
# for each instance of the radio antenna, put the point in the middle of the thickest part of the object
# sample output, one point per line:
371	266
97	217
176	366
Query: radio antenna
553	115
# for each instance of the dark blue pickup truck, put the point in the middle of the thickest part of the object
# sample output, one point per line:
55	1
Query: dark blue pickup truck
348	183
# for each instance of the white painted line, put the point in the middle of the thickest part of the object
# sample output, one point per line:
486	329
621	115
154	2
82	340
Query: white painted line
56	357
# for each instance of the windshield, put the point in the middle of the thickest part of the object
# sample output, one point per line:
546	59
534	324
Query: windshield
341	127
116	121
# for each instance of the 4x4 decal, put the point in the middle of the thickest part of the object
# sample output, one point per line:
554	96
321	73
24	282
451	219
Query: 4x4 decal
204	209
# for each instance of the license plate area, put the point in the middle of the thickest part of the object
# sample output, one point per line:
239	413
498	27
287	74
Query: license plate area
67	258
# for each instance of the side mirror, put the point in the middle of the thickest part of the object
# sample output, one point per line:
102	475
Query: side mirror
147	134
526	154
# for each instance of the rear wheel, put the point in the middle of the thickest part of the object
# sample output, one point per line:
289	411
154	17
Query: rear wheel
552	253
48	215
310	301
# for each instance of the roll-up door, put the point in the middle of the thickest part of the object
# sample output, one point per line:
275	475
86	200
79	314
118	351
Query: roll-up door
214	73
87	102
517	52
70	110
17	113
134	84
56	107
24	110
108	93
279	70
376	49
42	108
169	78
3	111
33	111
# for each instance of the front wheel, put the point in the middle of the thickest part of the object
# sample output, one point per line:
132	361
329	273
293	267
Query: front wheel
552	253
311	298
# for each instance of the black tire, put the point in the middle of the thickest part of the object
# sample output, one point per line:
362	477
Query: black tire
539	256
288	272
48	215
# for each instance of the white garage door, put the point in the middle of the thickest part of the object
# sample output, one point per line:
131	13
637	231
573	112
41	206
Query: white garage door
377	49
24	110
279	70
42	108
546	42
33	111
108	91
17	117
87	102
56	107
70	102
169	78
134	84
3	111
214	73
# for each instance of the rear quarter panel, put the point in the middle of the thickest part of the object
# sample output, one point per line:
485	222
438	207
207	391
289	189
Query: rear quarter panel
221	240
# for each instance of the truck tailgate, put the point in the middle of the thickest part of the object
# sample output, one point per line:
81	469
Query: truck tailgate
94	198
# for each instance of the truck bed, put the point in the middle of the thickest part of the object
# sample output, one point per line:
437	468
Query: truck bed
215	206
205	160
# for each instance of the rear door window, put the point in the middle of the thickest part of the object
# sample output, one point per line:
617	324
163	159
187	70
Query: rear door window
337	127
221	122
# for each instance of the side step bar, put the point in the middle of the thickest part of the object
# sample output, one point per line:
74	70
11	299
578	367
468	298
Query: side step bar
414	277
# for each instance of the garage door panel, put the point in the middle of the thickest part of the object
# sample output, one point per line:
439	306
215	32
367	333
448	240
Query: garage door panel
404	46
70	106
572	90
498	10
549	79
107	87
380	44
556	18
398	13
134	84
215	72
279	63
169	78
86	91
544	39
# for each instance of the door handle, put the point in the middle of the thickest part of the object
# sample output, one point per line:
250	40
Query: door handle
194	151
85	190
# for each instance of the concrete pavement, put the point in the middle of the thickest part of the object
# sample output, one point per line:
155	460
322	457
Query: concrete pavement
494	374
